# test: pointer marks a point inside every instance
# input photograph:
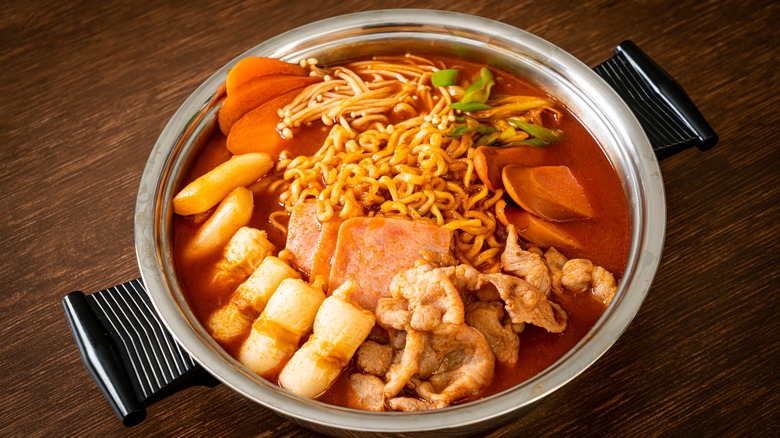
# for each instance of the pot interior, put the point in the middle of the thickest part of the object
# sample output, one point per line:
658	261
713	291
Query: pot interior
421	32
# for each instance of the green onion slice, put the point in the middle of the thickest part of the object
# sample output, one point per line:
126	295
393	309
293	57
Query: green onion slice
479	91
488	140
542	133
444	78
470	106
535	142
507	133
458	131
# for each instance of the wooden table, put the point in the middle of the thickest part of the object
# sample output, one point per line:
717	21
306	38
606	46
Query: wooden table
88	87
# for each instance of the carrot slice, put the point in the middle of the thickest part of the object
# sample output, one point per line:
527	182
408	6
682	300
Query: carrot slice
256	131
538	231
255	93
490	161
550	192
254	67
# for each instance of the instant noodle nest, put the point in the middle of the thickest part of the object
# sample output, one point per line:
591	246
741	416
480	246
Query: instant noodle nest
369	166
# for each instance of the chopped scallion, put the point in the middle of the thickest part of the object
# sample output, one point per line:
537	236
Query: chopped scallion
546	135
458	131
535	142
444	78
488	140
470	106
507	133
479	91
482	129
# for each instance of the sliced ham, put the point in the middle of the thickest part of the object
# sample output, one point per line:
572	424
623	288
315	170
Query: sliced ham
370	251
303	235
323	257
311	242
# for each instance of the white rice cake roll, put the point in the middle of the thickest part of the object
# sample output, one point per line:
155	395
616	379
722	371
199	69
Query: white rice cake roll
275	335
244	253
228	324
233	320
340	327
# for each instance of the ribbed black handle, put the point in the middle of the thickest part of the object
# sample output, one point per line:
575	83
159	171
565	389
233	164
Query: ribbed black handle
669	117
131	356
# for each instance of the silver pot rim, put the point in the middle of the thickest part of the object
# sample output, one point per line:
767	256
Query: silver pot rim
629	150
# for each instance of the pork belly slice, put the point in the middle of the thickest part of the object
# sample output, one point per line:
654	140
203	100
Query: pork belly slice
370	251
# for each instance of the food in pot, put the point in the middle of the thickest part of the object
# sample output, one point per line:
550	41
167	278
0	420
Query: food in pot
398	233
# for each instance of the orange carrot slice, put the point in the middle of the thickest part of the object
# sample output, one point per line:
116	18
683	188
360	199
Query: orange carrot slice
550	192
490	161
255	93
256	131
254	67
538	231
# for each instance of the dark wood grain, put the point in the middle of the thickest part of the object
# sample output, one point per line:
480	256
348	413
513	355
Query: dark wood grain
88	86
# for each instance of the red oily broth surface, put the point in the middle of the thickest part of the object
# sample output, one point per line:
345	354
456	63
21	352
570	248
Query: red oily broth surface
604	237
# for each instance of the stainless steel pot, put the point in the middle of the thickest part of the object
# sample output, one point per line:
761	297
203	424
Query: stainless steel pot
152	362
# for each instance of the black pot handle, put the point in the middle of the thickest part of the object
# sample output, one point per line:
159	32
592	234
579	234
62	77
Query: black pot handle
669	117
131	356
134	359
